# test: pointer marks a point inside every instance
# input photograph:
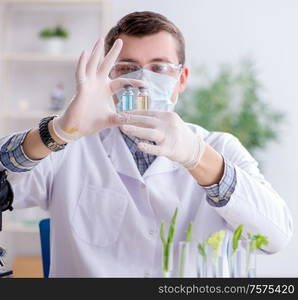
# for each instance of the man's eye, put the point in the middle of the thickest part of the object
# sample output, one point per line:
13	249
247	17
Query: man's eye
158	68
125	69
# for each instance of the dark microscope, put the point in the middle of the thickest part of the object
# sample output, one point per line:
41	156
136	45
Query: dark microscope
6	199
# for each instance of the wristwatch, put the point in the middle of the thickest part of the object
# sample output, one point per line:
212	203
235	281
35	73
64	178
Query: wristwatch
46	136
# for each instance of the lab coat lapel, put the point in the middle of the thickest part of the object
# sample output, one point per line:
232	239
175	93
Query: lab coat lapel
161	165
119	153
123	160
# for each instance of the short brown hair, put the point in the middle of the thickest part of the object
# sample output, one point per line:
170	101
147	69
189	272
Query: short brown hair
145	23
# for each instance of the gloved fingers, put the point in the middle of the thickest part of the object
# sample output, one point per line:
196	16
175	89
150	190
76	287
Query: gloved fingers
81	68
143	133
113	120
142	121
149	148
117	84
95	58
150	113
110	58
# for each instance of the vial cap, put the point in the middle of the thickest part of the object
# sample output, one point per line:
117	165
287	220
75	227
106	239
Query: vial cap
143	89
128	87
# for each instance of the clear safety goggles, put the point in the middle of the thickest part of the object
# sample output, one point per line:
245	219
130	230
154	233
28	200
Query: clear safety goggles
123	68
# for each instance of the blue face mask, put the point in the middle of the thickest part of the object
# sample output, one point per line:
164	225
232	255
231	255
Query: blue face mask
160	88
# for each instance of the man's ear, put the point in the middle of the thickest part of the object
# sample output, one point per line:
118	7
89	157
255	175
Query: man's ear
183	79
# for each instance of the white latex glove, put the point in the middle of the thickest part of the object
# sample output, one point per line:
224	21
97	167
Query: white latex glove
91	109
173	138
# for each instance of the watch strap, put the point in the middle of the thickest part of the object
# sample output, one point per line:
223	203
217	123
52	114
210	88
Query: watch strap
46	136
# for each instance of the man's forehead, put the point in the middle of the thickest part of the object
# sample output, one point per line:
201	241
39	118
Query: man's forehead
153	59
152	48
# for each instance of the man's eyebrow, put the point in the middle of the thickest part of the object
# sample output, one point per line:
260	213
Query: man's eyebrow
157	59
128	60
160	59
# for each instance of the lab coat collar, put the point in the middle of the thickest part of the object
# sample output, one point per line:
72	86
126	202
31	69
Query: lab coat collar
123	160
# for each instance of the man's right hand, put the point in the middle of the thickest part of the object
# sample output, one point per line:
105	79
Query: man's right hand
91	111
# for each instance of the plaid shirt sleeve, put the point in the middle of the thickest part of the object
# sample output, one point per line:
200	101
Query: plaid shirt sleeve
12	155
218	195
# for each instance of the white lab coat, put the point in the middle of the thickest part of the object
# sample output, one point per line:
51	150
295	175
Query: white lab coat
105	216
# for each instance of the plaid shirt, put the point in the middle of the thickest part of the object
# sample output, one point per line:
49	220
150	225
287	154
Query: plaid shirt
14	159
142	159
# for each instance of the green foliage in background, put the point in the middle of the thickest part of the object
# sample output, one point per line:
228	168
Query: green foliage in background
58	32
231	102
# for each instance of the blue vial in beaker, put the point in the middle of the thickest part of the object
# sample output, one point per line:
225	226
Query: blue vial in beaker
127	98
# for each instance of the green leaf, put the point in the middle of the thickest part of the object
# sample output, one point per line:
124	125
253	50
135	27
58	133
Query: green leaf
236	237
257	241
215	240
58	31
46	33
261	241
202	250
167	256
172	227
189	232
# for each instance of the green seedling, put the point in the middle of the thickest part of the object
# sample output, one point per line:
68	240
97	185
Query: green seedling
236	238
255	243
189	232
202	250
215	241
167	243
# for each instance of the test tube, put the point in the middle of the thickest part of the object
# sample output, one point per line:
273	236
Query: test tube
142	98
127	98
184	248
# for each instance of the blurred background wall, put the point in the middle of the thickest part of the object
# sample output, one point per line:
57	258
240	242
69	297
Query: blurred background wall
216	32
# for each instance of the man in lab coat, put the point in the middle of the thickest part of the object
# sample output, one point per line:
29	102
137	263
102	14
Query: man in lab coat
109	178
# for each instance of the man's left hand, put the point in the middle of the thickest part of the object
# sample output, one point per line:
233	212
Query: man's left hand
173	138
